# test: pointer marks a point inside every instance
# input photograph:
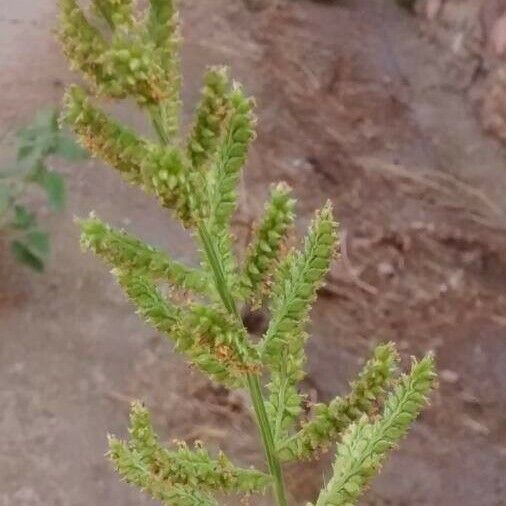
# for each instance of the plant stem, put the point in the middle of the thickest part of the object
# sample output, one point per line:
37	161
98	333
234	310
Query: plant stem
255	389
158	125
105	14
254	386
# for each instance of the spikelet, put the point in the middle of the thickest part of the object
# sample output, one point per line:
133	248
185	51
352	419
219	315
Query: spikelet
123	251
206	328
263	252
82	44
331	420
145	463
125	66
103	137
211	115
365	444
231	156
118	13
166	174
216	240
131	466
130	70
294	291
163	29
213	341
157	169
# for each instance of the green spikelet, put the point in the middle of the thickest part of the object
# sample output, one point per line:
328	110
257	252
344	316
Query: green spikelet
157	169
126	67
82	44
163	22
151	305
123	251
264	251
331	420
213	342
231	156
103	137
211	114
215	237
131	467
365	444
294	291
118	13
204	328
129	71
167	474
163	29
203	140
166	174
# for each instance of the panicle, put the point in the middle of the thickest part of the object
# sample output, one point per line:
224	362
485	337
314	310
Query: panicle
264	251
82	43
213	338
197	179
163	30
330	420
125	252
163	27
176	475
104	137
297	282
131	70
212	112
157	169
214	342
127	65
365	444
294	291
118	13
231	156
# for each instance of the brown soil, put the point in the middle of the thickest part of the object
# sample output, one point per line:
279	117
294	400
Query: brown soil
354	105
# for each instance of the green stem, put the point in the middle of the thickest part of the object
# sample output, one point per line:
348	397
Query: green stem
219	275
264	426
106	15
254	386
255	389
158	125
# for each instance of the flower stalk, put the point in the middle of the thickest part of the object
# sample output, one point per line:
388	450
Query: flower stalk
198	308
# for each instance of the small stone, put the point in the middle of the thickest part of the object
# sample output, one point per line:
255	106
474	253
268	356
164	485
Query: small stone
469	398
386	270
432	9
449	376
475	426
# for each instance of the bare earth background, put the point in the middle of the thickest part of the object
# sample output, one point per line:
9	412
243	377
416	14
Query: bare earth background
355	104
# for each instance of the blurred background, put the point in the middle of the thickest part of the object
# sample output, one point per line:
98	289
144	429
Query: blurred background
394	110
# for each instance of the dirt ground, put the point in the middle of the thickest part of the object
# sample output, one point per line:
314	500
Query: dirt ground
355	104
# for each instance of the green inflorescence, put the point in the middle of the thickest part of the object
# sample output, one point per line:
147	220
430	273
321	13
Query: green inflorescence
181	476
198	308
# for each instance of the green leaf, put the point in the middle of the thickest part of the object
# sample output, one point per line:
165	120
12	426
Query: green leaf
5	196
32	250
46	120
65	146
54	186
38	243
24	255
23	218
38	139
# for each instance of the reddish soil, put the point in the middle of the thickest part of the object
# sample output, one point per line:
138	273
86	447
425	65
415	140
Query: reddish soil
355	105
